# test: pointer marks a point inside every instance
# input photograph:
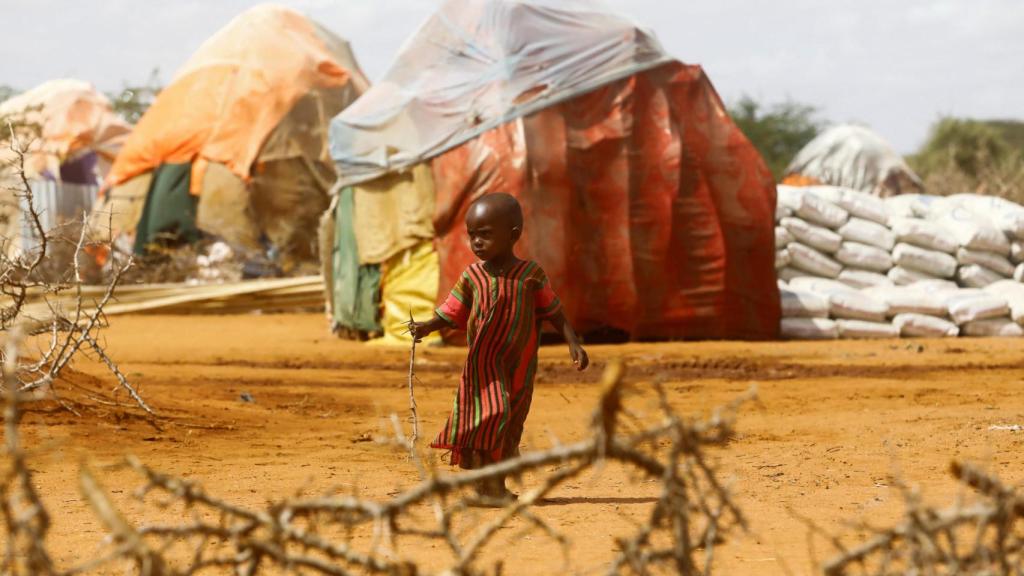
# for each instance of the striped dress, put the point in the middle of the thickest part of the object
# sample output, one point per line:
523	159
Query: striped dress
502	317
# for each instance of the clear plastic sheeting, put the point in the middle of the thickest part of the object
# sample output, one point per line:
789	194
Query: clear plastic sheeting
477	64
854	157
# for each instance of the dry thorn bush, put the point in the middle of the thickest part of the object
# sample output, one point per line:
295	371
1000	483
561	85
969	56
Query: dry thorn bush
36	285
980	536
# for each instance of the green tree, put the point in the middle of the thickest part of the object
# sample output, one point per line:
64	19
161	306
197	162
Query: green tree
6	92
967	145
778	131
133	101
965	155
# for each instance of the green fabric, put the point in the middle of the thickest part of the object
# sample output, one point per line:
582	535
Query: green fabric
170	209
356	288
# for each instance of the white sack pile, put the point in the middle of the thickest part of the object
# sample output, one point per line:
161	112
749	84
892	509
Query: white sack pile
851	265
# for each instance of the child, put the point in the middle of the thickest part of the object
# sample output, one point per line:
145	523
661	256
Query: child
501	302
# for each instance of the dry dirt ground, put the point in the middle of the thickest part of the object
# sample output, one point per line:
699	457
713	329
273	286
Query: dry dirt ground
835	423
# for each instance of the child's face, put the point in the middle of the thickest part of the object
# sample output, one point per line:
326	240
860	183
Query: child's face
491	233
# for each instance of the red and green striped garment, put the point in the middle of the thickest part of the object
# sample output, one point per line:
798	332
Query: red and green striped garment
502	316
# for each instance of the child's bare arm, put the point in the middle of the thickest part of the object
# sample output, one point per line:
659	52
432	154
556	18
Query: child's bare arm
576	351
421	329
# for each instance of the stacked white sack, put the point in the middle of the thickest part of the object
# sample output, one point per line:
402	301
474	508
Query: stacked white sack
863	278
844	302
902	253
798	303
867	232
918	310
812	262
982	313
817	237
1007	216
1013	292
806	222
985	248
858	204
923	251
809	329
812	207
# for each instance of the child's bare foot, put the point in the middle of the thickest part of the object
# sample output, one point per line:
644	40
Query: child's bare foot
493	494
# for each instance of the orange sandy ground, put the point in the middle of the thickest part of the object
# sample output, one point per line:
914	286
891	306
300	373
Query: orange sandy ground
834	423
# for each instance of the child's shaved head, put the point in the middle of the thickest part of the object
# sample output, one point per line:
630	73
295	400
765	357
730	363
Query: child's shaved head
494	224
502	205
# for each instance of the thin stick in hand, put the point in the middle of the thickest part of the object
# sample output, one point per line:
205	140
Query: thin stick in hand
412	376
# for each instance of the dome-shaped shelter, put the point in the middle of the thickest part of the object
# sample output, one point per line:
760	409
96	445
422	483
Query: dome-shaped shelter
71	134
70	128
648	208
236	145
853	156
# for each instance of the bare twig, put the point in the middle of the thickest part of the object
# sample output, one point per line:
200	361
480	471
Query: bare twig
929	540
412	395
25	517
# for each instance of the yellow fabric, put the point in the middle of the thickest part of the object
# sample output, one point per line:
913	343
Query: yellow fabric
71	117
393	213
232	93
409	281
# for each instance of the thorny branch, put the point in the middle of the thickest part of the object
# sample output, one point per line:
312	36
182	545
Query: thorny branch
25	518
983	537
42	296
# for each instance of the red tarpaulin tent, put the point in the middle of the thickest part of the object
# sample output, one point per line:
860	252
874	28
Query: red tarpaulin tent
647	207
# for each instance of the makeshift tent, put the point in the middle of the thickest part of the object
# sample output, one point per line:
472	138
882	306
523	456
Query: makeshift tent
72	135
649	210
855	157
71	131
236	145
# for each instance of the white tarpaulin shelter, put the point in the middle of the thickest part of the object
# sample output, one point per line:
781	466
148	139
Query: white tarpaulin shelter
855	157
477	64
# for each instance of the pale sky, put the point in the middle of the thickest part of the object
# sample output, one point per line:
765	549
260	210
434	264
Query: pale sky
896	65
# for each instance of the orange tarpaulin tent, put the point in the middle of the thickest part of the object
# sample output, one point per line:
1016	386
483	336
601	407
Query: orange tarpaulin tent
242	130
236	88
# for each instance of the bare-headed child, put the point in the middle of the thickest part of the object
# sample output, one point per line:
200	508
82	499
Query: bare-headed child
501	302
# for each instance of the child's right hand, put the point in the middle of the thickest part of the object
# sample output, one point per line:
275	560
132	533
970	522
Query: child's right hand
420	330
